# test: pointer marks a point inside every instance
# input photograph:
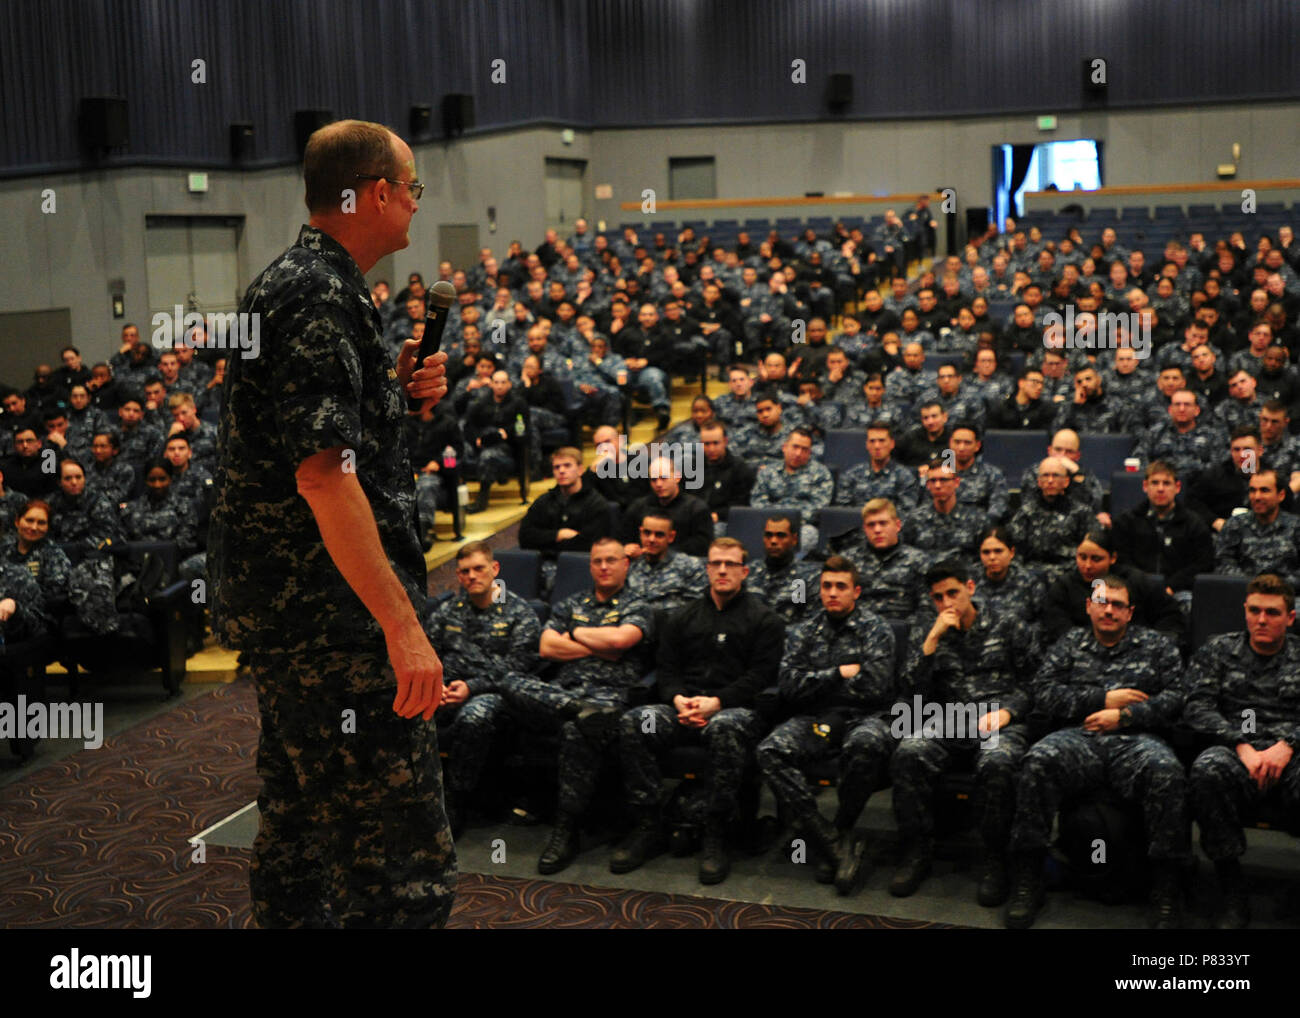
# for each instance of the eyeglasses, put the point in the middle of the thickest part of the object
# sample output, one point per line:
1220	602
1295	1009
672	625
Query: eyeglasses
416	187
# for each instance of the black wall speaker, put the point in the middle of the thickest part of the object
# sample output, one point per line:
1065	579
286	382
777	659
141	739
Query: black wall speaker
421	120
1094	93
457	113
839	92
101	122
308	122
977	220
241	141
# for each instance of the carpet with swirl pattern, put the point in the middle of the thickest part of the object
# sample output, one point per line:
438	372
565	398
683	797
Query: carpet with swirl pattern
100	839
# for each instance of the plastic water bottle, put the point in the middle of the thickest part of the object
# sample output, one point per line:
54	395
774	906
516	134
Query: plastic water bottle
449	458
519	425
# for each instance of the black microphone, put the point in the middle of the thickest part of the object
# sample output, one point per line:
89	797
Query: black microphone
439	299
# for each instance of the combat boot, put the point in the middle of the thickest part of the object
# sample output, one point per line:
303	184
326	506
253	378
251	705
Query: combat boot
645	842
913	870
1236	900
994	885
852	851
1030	891
1164	897
562	848
714	863
823	840
480	502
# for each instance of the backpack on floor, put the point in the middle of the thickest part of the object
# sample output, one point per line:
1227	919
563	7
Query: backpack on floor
1106	848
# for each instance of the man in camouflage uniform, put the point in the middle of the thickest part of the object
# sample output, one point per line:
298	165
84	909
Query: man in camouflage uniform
600	640
1235	678
662	576
798	481
201	435
889	571
981	662
1186	445
1264	540
317	571
1049	524
139	441
942	525
983	486
108	474
723	650
765	440
1281	449
1084	485
1111	688
480	634
881	476
773	579
837	674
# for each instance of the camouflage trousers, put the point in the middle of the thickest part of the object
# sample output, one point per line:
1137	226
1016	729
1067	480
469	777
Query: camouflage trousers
1139	768
353	833
863	765
729	737
1222	795
544	706
470	730
497	464
918	763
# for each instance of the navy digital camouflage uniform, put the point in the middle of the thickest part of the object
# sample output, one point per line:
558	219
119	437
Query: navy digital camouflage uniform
1247	547
942	534
479	647
87	519
984	487
744	642
165	519
30	618
114	479
1047	533
668	582
1232	413
353	829
1283	456
833	715
1190	452
140	444
990	666
811	488
1021	591
859	413
46	563
891	578
1227	684
592	680
11	505
774	583
1133	762
859	484
1084	486
203	445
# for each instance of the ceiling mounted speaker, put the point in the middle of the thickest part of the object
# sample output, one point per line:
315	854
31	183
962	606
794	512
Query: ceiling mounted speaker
308	122
101	122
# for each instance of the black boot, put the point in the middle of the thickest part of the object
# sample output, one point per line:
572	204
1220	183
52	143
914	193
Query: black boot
913	870
480	502
1029	893
562	848
1165	894
994	885
1236	900
823	840
645	842
852	851
714	864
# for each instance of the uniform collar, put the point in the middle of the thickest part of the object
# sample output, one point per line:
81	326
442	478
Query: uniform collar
333	253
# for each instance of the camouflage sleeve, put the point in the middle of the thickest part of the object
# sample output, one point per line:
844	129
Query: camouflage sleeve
55	572
918	672
999	496
640	614
561	617
1165	707
316	385
797	678
1203	682
525	635
1227	550
1027	657
761	495
17	583
822	487
874	683
1057	694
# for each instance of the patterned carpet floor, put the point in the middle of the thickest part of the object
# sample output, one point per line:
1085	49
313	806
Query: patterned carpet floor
100	839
